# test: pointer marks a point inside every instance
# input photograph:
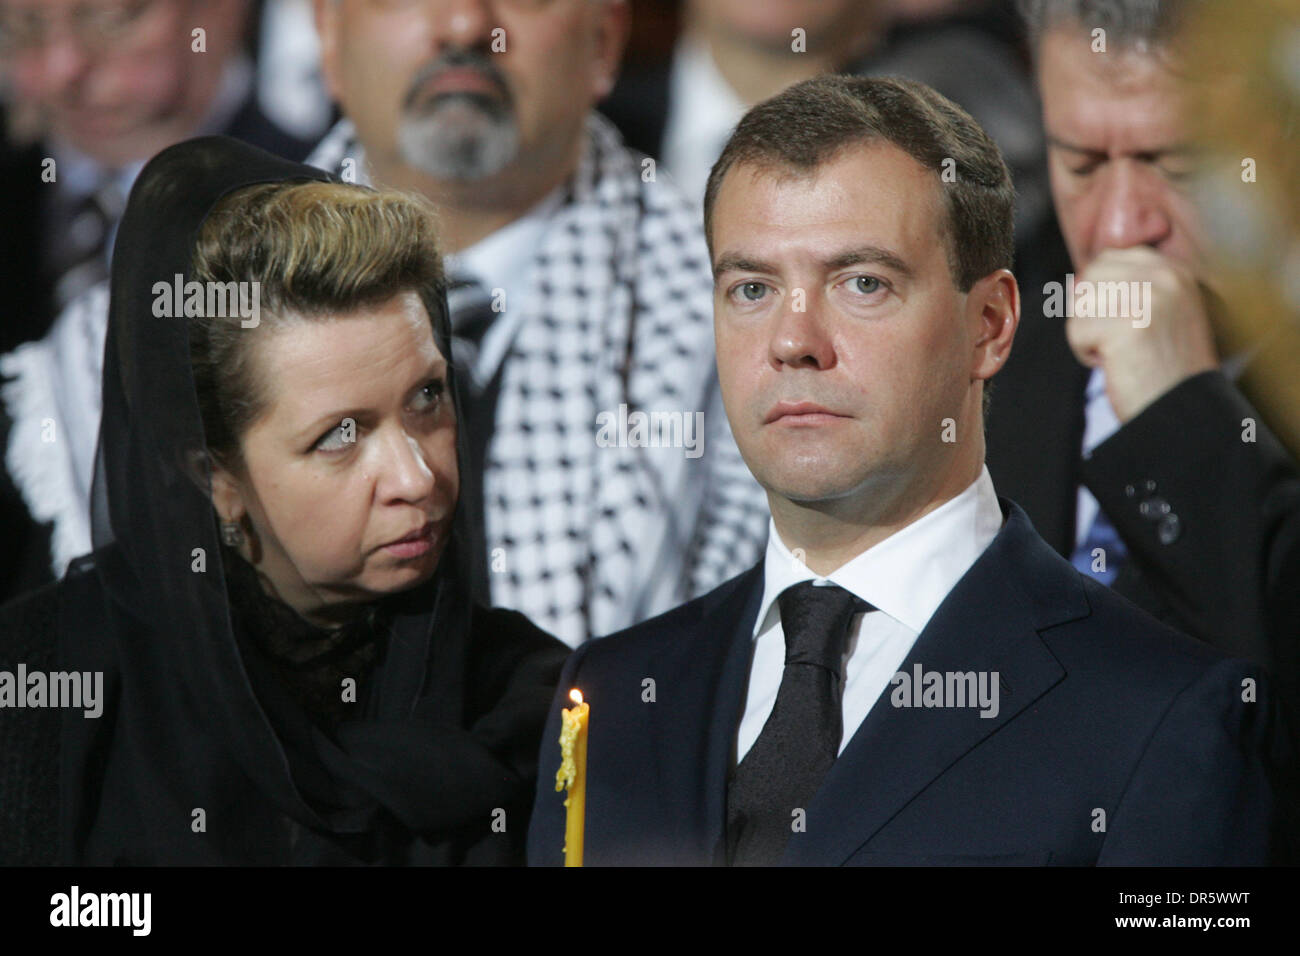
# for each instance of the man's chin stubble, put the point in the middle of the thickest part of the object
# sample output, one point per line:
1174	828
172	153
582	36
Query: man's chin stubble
465	151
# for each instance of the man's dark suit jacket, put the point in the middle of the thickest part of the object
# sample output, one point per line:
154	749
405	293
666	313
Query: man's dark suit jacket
1117	740
1211	522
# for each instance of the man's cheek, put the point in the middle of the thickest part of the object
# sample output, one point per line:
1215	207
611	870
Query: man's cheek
139	91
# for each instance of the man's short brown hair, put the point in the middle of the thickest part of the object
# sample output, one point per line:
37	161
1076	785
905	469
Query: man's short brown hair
805	126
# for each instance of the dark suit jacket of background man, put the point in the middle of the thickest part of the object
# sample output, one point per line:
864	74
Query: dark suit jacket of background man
28	291
1222	561
1117	741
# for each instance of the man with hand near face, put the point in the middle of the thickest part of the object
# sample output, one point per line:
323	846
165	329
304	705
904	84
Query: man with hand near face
911	675
1130	438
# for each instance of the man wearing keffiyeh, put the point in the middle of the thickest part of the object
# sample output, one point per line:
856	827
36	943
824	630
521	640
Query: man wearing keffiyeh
581	294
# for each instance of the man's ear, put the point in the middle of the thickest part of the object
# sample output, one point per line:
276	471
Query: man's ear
612	26
327	14
993	307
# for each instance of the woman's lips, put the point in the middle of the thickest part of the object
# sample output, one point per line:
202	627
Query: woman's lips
413	545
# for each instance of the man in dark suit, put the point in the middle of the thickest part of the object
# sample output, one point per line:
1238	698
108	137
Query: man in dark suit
911	675
1142	449
94	88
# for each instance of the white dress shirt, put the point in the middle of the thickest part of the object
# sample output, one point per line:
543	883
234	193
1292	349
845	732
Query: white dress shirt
703	109
505	260
905	577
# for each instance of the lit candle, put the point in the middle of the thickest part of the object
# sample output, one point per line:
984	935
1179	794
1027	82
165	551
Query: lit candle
573	774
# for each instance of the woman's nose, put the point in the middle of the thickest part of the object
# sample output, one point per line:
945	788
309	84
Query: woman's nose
403	473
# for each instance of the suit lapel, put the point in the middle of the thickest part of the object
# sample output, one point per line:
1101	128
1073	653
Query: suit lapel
701	683
989	622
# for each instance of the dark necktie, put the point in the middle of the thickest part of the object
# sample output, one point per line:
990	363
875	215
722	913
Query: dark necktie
786	765
469	306
81	258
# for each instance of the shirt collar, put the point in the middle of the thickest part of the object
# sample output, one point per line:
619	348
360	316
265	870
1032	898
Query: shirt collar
705	102
908	575
501	258
703	110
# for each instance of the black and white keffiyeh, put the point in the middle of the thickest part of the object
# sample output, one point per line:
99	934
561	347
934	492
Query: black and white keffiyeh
51	393
587	530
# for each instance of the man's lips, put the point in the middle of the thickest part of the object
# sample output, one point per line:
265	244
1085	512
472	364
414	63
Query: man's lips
461	80
801	413
99	121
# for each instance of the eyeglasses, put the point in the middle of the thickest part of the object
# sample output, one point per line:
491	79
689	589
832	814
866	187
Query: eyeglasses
95	25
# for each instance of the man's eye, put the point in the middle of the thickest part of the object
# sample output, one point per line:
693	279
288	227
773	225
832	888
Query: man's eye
1177	171
752	291
1085	169
866	284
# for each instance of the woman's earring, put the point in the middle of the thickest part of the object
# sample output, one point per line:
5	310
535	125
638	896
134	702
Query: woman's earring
231	536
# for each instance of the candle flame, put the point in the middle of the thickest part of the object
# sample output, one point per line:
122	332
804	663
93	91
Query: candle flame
575	695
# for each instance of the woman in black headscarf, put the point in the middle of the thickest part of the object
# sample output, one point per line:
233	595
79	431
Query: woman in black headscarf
292	669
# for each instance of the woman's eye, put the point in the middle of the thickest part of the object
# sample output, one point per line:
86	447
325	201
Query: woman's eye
866	284
429	395
337	438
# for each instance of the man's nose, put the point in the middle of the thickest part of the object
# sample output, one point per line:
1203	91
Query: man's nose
463	23
799	336
403	473
1132	208
55	66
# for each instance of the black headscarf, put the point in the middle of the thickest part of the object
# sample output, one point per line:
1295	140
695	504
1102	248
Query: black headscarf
189	764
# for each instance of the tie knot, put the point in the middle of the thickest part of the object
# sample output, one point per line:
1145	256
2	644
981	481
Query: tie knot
469	305
816	621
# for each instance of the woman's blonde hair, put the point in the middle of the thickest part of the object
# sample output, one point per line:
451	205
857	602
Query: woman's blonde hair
317	251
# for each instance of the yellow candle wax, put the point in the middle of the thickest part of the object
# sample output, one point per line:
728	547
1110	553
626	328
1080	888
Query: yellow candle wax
573	774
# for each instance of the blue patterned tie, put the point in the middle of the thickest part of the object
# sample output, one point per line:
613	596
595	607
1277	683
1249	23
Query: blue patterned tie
1102	535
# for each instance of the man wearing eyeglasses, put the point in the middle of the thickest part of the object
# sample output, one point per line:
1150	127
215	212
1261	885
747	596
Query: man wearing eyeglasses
93	89
89	90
